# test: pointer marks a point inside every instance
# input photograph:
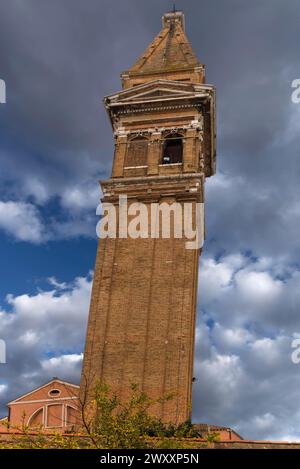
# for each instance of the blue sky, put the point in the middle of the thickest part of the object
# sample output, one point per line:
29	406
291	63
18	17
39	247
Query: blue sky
58	59
28	267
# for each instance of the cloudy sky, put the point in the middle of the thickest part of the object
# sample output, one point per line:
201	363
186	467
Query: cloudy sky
58	59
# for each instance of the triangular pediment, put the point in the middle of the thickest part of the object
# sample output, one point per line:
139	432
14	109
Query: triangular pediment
64	386
158	93
153	91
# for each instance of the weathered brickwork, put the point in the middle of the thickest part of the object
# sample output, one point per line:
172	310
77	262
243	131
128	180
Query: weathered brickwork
141	325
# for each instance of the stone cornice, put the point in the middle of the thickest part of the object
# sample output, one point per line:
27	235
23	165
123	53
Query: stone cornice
188	186
196	124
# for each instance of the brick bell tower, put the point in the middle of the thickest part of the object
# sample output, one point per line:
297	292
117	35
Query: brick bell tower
141	326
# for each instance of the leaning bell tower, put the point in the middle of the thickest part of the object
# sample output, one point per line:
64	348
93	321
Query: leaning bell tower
141	327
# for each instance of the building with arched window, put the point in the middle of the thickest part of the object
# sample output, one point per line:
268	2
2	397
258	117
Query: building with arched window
52	407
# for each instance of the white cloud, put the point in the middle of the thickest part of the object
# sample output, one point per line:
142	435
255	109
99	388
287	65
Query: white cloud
81	197
29	338
258	286
44	334
3	388
247	319
230	339
224	371
52	307
53	363
32	186
22	221
63	365
215	277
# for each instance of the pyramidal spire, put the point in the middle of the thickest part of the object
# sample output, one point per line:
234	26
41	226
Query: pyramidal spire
169	56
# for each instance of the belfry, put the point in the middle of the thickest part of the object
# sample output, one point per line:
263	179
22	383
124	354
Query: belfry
141	327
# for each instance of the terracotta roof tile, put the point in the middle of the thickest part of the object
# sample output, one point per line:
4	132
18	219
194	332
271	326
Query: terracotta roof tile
170	50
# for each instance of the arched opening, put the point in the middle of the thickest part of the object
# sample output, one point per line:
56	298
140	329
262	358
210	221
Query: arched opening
72	417
172	149
137	152
36	420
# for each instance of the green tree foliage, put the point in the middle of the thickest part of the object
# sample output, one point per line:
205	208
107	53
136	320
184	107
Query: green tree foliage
109	422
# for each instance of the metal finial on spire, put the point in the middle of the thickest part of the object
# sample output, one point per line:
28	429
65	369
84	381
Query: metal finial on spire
174	8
